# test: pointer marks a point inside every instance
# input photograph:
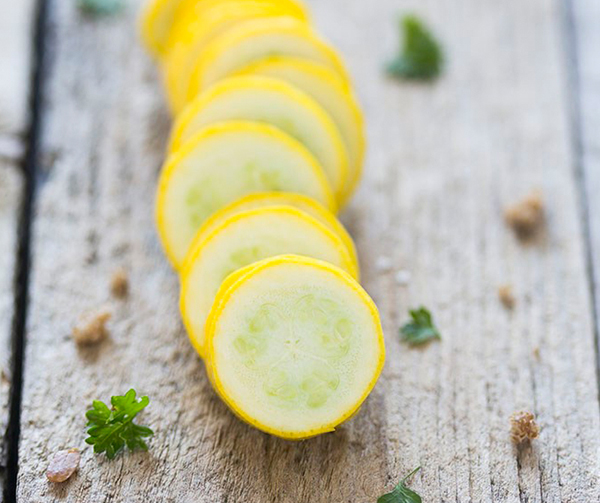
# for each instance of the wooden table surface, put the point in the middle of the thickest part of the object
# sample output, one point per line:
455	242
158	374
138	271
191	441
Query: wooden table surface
517	109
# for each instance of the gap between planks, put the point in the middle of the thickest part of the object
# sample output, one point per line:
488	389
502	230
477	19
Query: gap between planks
23	254
581	46
11	198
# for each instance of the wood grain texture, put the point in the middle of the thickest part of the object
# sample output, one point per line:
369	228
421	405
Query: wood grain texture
586	33
11	192
444	160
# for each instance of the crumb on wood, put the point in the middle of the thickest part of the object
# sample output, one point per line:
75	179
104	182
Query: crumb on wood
92	329
119	284
402	277
526	217
63	465
506	296
383	263
523	427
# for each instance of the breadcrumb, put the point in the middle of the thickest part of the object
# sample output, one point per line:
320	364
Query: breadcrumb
523	427
63	465
92	329
383	263
506	296
527	216
119	284
402	277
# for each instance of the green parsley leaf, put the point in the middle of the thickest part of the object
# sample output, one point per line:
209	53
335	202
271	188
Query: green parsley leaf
100	7
401	493
420	57
421	329
110	430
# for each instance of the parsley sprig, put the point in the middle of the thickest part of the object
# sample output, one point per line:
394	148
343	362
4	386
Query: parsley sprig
420	56
111	429
421	329
101	7
401	493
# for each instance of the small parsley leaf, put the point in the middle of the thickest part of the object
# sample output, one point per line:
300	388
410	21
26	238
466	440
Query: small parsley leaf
420	57
421	329
401	493
100	7
110	430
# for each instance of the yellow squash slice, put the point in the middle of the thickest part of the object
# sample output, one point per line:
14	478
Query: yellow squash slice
254	40
194	11
294	346
277	103
227	282
161	19
332	93
222	163
302	202
156	22
240	240
197	9
193	32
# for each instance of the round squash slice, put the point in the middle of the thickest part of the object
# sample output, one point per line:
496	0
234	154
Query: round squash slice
227	282
198	9
161	19
254	40
302	202
240	240
156	22
294	346
274	102
222	163
331	92
193	32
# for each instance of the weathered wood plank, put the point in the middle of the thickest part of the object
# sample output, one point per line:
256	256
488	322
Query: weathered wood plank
444	159
16	37
11	192
492	130
586	19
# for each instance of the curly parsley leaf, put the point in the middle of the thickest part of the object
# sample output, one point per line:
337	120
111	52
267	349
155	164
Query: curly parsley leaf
111	429
421	329
420	57
401	493
100	7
